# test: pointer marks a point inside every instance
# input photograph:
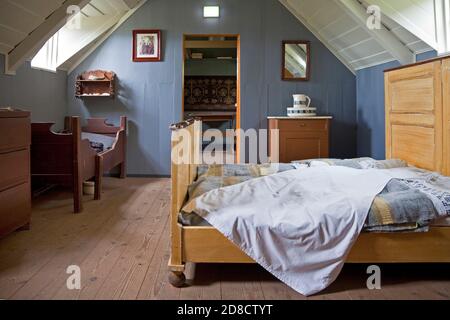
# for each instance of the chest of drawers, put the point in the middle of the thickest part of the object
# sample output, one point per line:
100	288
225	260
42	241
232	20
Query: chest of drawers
300	139
15	189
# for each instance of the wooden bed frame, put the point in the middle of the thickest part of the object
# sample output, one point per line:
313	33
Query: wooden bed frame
208	245
65	159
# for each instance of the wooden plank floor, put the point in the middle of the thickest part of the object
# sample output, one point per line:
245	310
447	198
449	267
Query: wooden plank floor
121	245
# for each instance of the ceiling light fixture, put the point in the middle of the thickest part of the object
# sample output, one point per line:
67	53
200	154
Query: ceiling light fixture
211	12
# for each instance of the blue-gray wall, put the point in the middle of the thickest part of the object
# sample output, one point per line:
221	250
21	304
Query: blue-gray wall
150	93
41	92
371	114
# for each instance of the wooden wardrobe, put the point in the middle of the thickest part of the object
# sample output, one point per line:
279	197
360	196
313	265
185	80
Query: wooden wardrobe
418	114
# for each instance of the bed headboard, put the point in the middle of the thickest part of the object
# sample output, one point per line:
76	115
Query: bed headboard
185	157
414	115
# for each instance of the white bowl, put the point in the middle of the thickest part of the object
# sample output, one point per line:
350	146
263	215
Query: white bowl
301	112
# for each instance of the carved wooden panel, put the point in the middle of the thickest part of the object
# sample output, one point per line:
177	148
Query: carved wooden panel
210	93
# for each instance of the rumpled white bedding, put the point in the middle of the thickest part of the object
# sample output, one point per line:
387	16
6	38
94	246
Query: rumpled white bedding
299	225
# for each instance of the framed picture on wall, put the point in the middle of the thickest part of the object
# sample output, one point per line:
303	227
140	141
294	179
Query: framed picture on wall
146	45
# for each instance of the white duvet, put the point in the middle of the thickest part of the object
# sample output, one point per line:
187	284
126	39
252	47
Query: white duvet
299	225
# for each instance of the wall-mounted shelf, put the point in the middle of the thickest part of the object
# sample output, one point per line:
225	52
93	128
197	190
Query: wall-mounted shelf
95	84
93	95
94	80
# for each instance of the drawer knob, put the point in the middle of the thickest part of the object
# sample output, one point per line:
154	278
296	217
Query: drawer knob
303	125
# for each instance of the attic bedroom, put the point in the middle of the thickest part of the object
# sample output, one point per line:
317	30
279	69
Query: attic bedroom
224	150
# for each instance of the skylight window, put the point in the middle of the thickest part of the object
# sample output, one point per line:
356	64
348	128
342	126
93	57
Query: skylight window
82	29
47	57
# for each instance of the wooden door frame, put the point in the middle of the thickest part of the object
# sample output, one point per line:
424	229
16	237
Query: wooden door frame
238	93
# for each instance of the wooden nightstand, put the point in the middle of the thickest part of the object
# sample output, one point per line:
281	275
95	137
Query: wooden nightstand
300	138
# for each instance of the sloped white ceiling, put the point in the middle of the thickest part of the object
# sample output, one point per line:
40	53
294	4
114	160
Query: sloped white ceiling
348	37
25	25
415	15
409	27
18	18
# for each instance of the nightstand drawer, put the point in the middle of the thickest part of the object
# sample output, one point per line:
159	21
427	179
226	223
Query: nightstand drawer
303	125
14	168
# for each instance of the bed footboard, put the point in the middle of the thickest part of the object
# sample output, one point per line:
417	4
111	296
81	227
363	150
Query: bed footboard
62	158
116	156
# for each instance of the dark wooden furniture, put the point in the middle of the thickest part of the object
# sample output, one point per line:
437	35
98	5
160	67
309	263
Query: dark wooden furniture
300	138
68	160
15	190
96	83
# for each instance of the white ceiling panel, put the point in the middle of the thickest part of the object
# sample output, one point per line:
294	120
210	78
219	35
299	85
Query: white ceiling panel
350	37
363	49
339	27
17	18
4	48
41	8
347	36
10	37
373	60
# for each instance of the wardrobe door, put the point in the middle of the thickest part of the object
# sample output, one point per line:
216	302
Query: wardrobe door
446	103
414	115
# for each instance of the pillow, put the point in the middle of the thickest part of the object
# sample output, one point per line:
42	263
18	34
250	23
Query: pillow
383	164
227	170
357	163
241	170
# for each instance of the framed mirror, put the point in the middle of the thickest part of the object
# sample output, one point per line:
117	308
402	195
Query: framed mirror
296	61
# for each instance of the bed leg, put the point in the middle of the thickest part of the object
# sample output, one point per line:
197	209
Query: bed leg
176	273
77	166
177	279
123	173
98	178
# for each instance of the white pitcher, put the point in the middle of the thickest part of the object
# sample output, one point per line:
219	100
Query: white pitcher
301	101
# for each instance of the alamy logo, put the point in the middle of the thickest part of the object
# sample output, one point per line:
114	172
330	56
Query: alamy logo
374	19
374	280
74	280
73	17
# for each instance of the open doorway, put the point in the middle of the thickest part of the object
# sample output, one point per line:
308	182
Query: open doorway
211	86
